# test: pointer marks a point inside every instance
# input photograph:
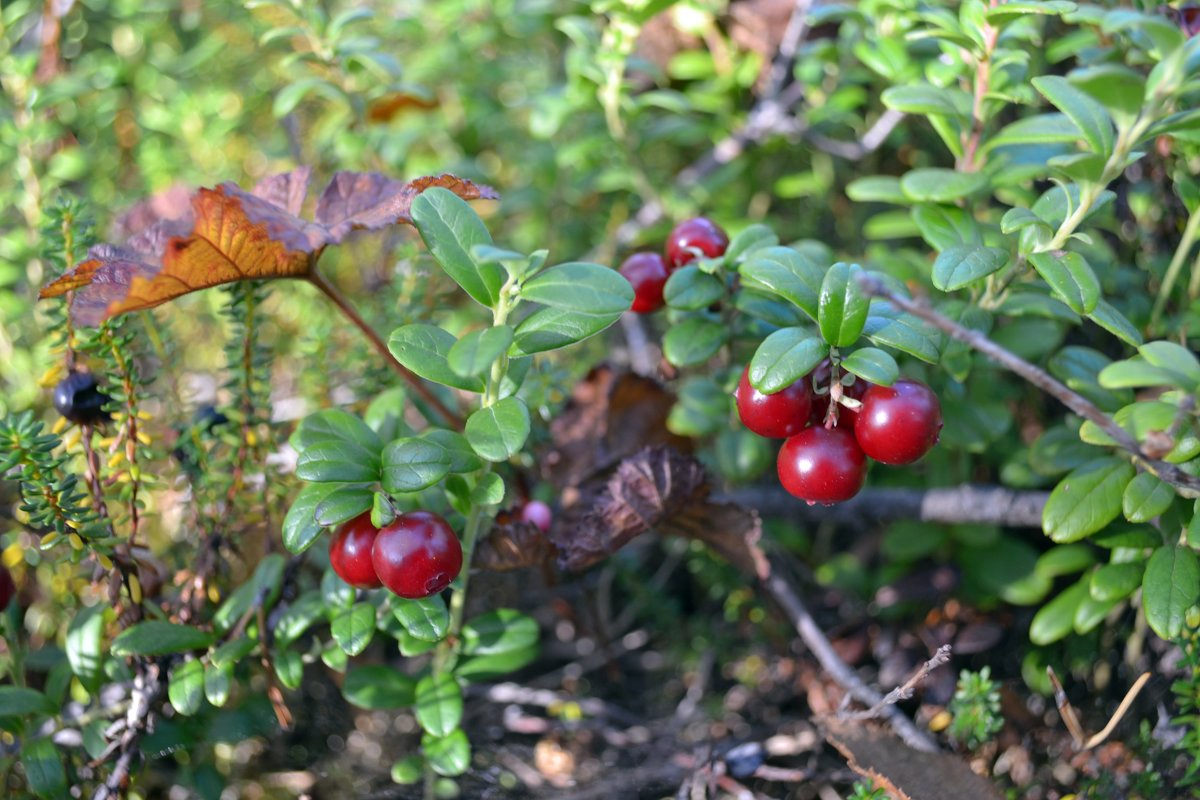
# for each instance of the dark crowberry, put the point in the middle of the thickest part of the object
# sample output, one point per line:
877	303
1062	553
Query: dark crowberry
78	398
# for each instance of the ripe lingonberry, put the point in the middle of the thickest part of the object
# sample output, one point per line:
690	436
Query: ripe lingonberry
777	415
698	233
417	555
899	423
822	465
78	398
537	513
350	552
647	273
8	589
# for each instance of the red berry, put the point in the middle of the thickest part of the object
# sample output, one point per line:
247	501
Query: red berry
822	465
777	415
699	233
899	423
8	589
1189	20
417	555
647	273
537	513
350	552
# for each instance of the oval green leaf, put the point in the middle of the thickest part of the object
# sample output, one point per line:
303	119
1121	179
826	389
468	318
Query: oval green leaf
498	432
785	357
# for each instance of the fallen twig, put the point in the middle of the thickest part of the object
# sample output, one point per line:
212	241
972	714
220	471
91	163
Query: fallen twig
902	692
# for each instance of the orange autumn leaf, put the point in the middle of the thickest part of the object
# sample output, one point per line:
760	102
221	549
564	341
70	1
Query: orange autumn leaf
387	107
229	234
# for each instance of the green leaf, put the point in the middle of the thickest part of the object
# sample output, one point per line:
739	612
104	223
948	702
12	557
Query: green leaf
157	638
939	185
426	619
1113	321
379	686
448	755
926	99
787	273
961	265
299	616
495	666
408	770
872	365
1129	537
1040	129
1176	358
690	289
217	683
1016	219
43	766
1070	277
784	357
1086	500
580	287
748	240
1091	612
944	227
84	652
1116	581
343	503
1170	587
842	307
335	425
300	528
876	189
694	341
18	701
1117	87
450	229
337	462
1136	372
500	631
489	491
354	627
889	327
474	354
289	668
425	349
551	328
232	651
498	432
1064	559
410	465
268	578
1006	12
1146	497
186	687
1090	117
439	704
458	450
1056	619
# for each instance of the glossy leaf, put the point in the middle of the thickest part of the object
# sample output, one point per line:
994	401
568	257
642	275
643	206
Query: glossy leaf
1146	497
410	465
19	701
1056	619
888	327
842	306
218	681
457	449
784	357
580	287
473	354
872	364
157	638
439	704
786	273
961	265
1170	586
300	527
449	755
552	328
694	341
354	627
689	289
185	689
1070	277
501	631
450	229
939	185
1116	581
498	432
44	773
84	645
1090	117
343	503
1086	500
425	349
378	686
426	619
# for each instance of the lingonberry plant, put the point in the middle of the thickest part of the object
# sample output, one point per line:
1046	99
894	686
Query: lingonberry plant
956	239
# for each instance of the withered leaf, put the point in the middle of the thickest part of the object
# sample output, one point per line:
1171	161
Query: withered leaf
388	106
229	234
512	544
612	415
657	488
170	204
902	772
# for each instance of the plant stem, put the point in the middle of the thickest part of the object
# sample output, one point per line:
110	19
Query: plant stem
1190	232
1170	473
351	313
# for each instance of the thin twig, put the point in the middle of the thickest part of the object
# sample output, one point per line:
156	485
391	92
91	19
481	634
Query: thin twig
780	588
1170	473
902	692
351	313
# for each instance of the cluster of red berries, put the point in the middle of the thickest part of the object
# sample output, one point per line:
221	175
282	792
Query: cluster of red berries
824	459
648	272
415	556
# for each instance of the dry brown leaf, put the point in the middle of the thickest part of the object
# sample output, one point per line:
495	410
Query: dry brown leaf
229	234
903	772
512	544
387	107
